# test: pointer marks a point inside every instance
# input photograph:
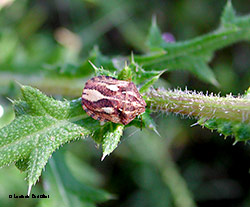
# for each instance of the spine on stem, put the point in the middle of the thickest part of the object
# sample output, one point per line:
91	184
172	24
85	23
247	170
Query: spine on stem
229	115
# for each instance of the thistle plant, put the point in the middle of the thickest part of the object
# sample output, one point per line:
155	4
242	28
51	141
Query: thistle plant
42	124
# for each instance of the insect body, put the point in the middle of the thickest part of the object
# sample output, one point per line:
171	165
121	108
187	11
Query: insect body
105	98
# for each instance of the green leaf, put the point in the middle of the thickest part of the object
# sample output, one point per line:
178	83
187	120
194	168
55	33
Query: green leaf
177	55
125	73
66	189
241	131
22	164
150	82
154	39
198	46
101	71
83	171
149	122
199	68
97	135
194	64
42	125
228	15
140	75
98	59
111	138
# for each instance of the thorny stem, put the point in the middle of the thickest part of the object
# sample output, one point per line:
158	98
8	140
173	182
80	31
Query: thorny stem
193	104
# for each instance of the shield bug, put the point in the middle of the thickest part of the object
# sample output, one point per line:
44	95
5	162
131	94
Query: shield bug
105	98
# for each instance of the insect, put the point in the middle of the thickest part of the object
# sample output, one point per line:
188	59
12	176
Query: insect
105	98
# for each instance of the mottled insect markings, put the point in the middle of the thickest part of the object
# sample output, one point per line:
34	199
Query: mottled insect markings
105	98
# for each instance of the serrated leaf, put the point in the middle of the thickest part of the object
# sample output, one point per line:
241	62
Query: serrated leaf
111	138
240	130
172	55
150	82
194	64
199	46
66	189
228	15
140	75
149	122
101	71
22	164
98	59
154	39
101	60
42	125
198	67
97	136
125	73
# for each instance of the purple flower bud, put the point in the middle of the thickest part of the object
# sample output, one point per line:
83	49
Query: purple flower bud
168	37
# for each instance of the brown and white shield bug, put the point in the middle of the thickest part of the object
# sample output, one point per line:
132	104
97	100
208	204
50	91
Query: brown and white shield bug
105	98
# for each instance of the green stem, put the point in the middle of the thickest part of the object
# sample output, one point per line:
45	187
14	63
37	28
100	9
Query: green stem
198	105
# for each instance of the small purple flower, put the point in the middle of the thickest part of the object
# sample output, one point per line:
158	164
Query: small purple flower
168	37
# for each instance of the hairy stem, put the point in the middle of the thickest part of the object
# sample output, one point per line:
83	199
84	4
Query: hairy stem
198	105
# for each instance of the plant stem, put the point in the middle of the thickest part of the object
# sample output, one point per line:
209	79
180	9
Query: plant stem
193	104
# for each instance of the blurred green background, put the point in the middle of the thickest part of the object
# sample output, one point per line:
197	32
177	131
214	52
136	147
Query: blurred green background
42	42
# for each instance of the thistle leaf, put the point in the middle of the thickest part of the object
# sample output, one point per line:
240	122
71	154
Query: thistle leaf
149	122
125	73
101	71
140	75
199	68
42	125
66	189
241	131
228	15
154	38
151	82
176	55
111	138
